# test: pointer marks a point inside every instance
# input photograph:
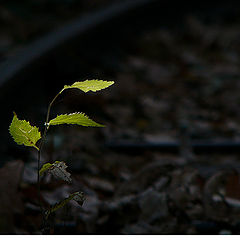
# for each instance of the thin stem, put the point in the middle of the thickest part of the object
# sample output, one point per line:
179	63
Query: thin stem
38	181
46	122
39	153
50	105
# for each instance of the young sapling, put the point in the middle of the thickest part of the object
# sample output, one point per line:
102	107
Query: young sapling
24	133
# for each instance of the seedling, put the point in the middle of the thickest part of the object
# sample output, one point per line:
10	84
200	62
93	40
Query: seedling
25	134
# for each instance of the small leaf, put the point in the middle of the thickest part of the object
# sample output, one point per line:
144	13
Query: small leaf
90	85
57	169
74	118
23	133
44	168
77	196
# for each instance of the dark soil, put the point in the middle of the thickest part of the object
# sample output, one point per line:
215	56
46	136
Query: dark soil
172	84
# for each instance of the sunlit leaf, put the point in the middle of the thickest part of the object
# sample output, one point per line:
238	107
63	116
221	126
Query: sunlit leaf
74	118
23	133
77	196
90	85
44	168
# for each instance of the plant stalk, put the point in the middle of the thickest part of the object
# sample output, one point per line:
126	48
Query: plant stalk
39	156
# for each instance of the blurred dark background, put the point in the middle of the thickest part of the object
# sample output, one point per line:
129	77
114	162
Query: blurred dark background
168	160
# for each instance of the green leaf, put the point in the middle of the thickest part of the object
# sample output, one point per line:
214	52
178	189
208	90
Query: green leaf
77	196
23	133
74	118
90	85
44	168
57	169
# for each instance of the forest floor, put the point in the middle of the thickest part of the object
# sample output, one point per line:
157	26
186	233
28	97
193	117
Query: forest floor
176	86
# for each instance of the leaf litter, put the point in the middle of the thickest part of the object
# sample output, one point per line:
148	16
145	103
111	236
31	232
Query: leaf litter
190	76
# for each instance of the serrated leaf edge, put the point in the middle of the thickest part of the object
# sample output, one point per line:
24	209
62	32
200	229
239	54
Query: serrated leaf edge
97	124
33	145
72	86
